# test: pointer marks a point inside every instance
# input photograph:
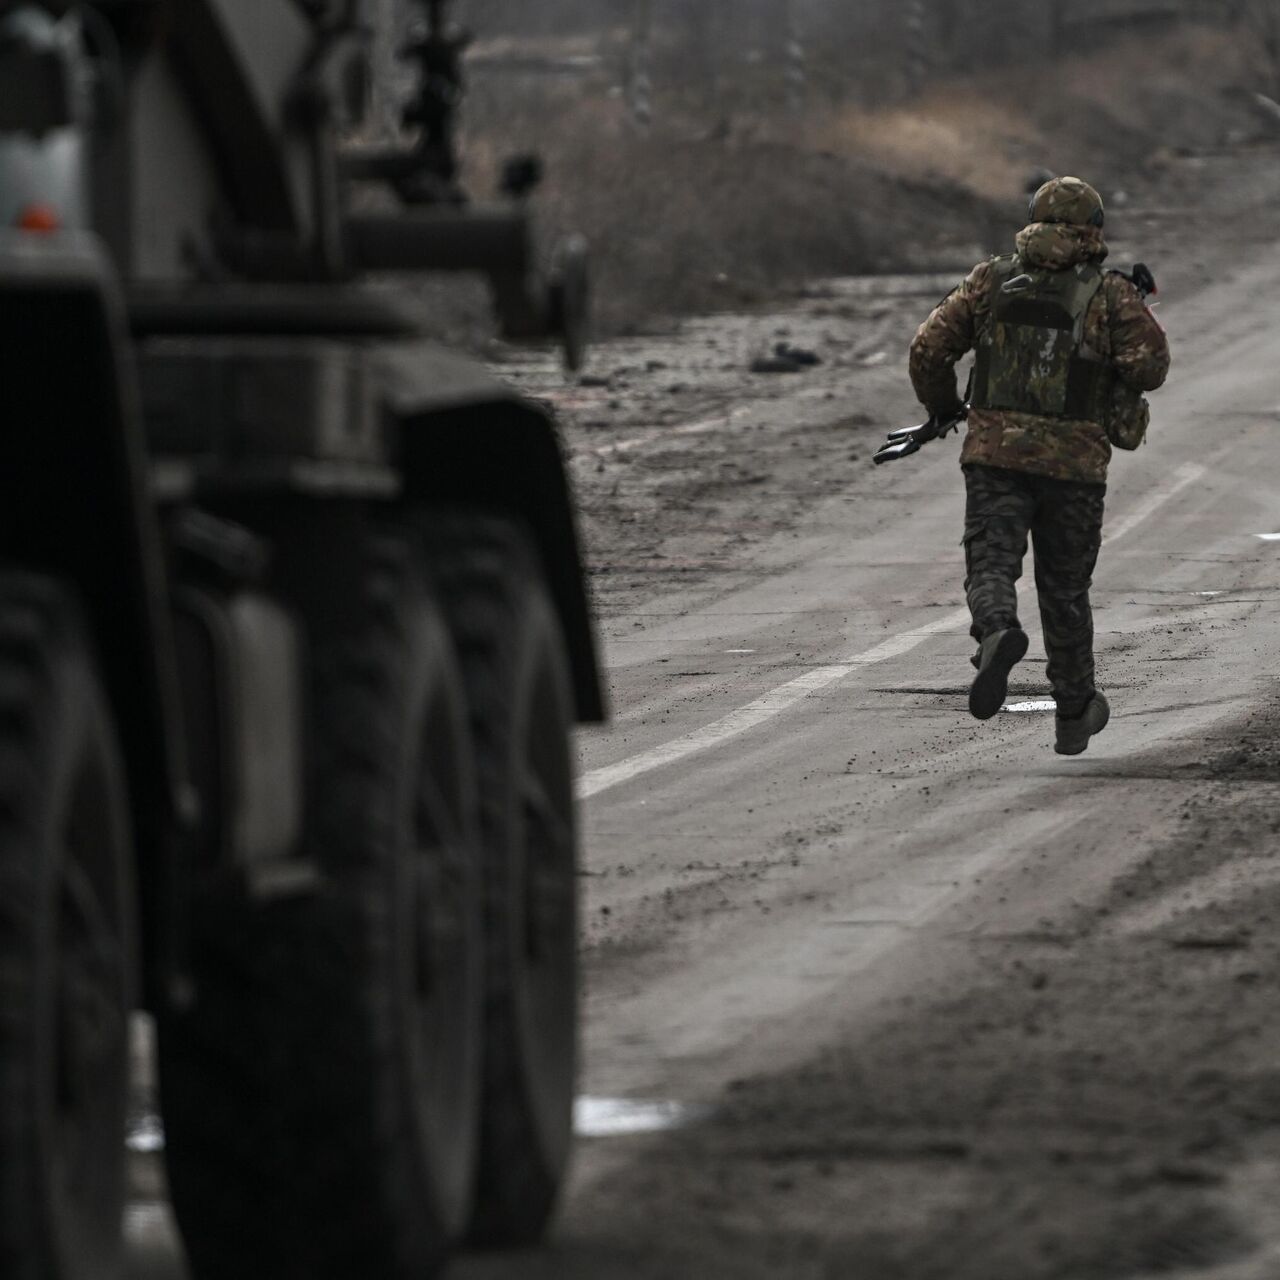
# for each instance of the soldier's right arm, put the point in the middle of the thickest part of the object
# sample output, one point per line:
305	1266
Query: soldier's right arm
945	336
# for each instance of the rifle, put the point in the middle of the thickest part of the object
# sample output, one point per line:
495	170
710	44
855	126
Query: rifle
1142	279
908	440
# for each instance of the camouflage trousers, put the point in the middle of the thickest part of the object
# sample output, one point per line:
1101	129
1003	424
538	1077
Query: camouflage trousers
1064	521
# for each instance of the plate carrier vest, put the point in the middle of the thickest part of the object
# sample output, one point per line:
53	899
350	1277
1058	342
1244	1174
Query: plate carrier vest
1031	353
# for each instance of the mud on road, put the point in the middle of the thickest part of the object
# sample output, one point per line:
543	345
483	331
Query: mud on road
1069	1067
1093	1092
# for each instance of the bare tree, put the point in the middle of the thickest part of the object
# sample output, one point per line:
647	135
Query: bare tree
917	50
1262	20
796	71
639	78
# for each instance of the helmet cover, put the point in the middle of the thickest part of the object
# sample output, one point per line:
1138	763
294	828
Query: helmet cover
1069	200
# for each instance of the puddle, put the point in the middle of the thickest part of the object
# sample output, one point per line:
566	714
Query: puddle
1040	704
145	1134
621	1117
153	1247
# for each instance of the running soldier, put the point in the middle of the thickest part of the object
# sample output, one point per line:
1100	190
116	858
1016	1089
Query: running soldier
1064	353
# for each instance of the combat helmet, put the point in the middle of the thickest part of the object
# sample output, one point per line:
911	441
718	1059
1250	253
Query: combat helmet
1069	200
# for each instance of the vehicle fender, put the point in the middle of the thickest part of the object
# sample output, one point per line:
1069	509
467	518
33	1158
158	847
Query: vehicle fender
74	504
461	437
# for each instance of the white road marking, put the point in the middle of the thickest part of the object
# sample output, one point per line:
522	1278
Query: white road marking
1040	704
736	722
787	695
1269	537
1186	474
694	428
618	1117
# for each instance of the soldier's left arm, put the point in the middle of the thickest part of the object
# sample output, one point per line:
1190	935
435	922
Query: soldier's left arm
1139	345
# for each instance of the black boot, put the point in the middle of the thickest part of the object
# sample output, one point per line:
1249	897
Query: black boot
1073	735
1000	652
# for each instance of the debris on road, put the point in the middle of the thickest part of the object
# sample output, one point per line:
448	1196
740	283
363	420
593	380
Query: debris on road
786	359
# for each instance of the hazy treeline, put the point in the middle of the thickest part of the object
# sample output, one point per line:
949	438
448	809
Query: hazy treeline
711	60
974	26
869	49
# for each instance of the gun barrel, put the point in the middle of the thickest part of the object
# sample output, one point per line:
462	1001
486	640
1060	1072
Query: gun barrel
497	243
904	441
493	241
892	451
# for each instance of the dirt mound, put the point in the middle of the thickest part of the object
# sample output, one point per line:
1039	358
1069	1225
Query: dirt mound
709	226
711	210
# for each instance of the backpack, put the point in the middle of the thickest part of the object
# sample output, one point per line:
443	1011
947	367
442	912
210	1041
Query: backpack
1032	356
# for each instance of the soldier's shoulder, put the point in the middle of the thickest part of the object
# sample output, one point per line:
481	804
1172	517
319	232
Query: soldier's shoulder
992	266
977	282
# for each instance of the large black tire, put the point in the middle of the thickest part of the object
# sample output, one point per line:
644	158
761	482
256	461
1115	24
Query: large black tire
320	1096
518	688
66	946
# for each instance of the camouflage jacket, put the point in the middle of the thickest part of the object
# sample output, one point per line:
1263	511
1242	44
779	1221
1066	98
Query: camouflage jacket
1118	326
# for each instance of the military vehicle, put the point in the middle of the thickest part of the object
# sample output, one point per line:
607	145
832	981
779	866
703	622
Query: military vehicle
293	631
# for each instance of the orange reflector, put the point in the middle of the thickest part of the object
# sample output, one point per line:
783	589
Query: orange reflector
39	217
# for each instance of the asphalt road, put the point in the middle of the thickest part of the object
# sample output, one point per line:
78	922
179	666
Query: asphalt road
821	899
912	996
